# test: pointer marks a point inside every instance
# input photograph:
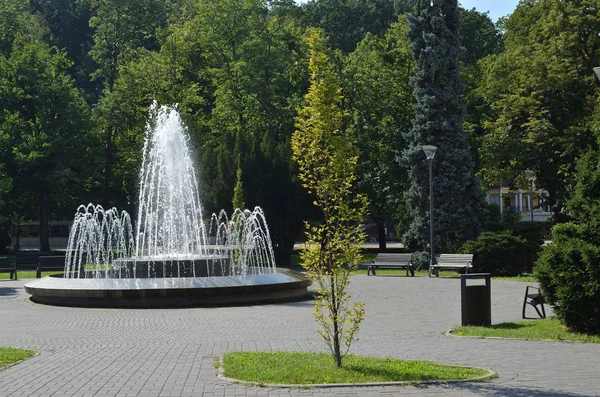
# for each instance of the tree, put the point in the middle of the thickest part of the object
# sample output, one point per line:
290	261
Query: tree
254	60
380	68
538	91
238	192
44	120
121	29
347	22
68	22
439	116
327	167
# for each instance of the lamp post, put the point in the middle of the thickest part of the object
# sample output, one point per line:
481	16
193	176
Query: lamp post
530	177
430	154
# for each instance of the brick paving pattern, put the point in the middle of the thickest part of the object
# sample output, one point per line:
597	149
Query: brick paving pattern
171	352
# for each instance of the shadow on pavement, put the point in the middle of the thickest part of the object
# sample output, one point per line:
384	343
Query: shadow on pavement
500	390
8	291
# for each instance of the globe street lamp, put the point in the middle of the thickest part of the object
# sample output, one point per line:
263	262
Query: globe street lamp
530	177
430	154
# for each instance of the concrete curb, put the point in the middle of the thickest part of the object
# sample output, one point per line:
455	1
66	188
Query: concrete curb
449	333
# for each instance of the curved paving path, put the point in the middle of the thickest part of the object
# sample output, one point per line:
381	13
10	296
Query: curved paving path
171	352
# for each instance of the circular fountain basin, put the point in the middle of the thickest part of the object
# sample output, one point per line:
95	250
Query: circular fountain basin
165	267
281	285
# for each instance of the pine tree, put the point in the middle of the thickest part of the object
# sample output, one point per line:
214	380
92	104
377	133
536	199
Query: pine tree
439	115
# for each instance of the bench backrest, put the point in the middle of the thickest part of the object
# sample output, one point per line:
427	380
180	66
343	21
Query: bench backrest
28	257
4	263
455	259
393	258
54	261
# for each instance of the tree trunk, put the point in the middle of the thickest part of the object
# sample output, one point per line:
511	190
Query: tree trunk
286	238
337	354
44	215
381	234
108	168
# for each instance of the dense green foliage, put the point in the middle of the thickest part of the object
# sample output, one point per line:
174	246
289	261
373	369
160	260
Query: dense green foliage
439	116
569	275
539	93
501	253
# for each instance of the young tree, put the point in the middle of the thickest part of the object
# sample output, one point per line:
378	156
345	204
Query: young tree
439	115
327	164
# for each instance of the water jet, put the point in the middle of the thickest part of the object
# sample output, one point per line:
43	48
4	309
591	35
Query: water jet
168	257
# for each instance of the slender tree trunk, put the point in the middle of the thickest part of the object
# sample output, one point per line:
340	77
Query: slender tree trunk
381	234
44	215
108	167
335	320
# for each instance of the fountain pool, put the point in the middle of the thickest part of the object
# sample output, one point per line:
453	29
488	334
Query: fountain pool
170	256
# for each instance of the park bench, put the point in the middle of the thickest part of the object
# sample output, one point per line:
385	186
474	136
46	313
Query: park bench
391	261
28	257
535	299
6	267
457	262
49	263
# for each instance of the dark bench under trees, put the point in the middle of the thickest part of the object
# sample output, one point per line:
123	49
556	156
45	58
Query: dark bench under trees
46	263
28	257
6	267
458	262
391	261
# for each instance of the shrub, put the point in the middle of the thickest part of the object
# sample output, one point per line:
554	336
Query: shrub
420	260
493	210
501	253
569	274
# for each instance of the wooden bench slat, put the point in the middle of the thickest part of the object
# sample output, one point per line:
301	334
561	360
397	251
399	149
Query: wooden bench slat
459	262
391	261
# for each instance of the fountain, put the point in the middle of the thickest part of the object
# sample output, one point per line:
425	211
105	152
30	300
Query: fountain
169	257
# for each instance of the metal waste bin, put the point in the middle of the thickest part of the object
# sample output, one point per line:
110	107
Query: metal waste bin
476	299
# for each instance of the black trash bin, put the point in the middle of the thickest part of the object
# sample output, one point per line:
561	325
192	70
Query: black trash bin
476	299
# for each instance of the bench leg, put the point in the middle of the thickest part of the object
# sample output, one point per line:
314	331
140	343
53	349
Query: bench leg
371	269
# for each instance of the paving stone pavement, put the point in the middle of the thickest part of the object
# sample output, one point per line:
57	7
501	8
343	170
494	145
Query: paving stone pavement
171	352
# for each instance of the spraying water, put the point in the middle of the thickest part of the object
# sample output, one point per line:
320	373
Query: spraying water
170	238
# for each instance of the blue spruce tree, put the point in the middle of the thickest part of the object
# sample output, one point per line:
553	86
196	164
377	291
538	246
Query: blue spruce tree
458	199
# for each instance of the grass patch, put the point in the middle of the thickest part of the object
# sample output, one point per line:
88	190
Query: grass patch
9	355
548	328
319	368
524	278
28	274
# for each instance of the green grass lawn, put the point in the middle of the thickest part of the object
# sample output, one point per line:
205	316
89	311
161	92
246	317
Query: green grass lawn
295	261
319	368
27	274
549	328
9	355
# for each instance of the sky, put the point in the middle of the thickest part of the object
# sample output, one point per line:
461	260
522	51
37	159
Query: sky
496	8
